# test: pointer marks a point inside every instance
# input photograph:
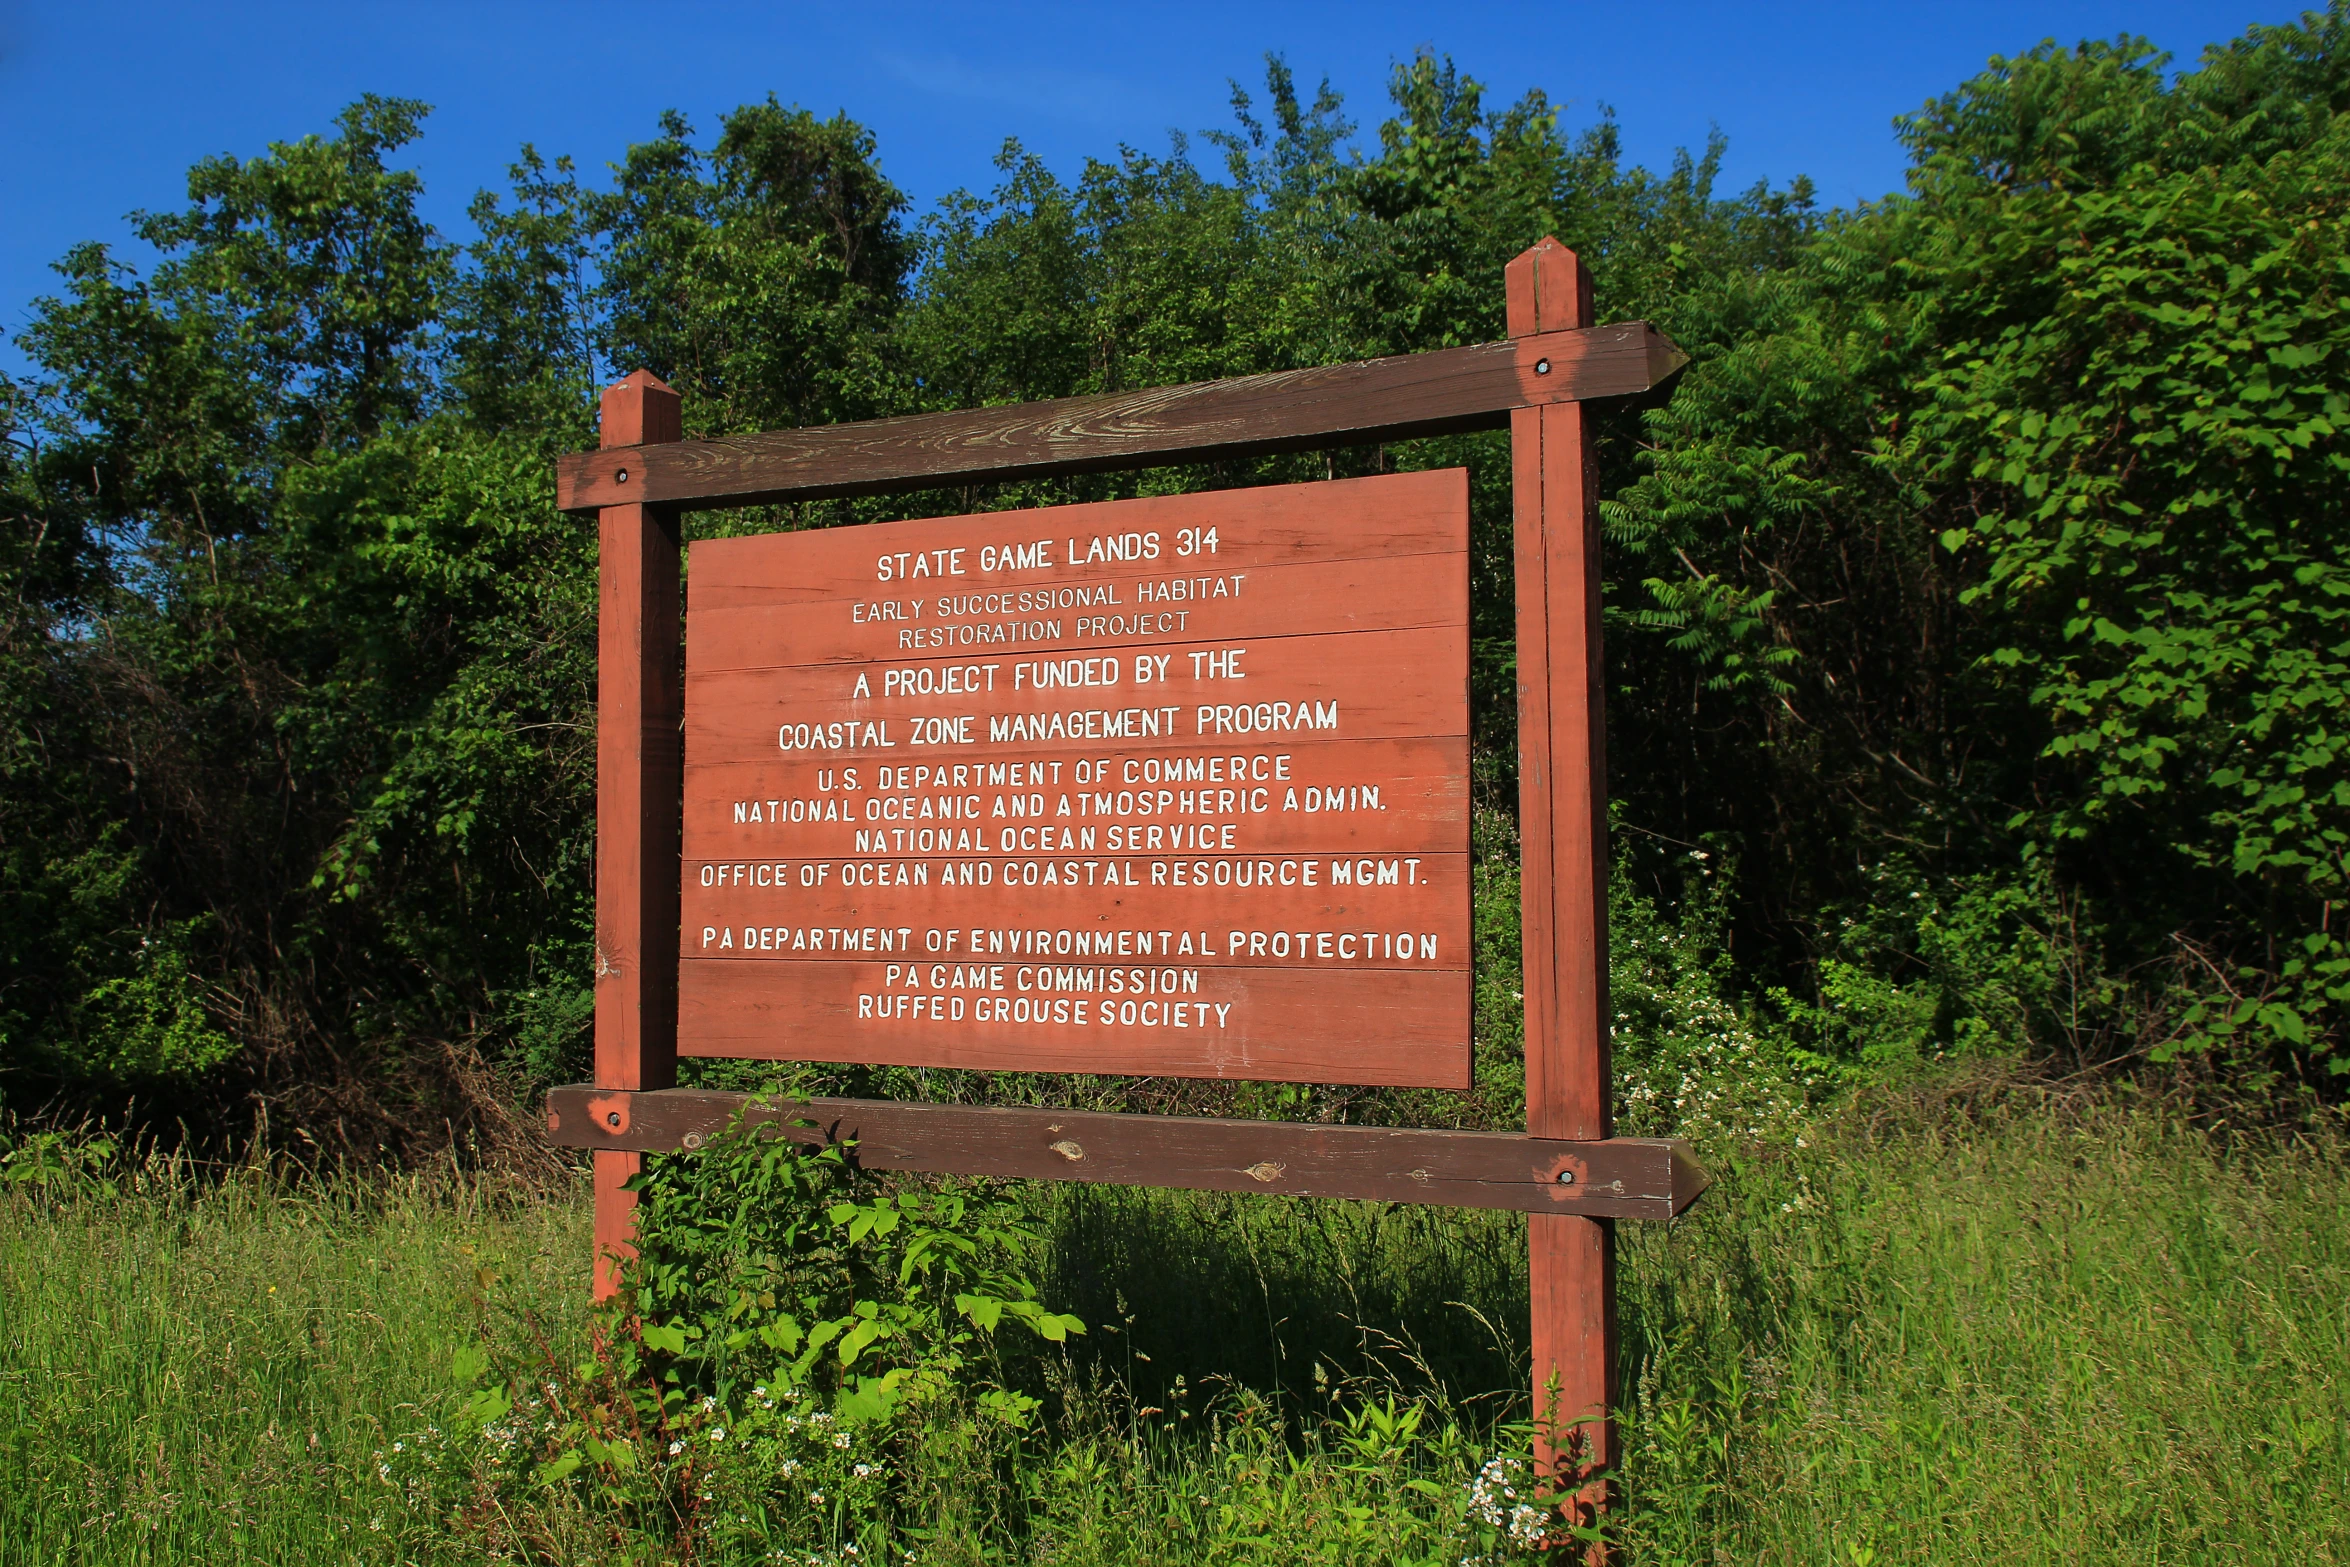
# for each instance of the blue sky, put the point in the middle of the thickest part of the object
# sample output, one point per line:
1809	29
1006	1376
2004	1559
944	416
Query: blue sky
104	105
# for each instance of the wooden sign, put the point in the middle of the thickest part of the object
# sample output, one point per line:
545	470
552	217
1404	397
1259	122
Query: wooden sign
1175	786
1172	786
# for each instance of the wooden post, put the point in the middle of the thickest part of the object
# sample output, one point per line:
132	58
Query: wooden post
1562	803
640	708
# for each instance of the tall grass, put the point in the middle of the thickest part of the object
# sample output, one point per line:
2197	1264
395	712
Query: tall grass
2041	1338
203	1371
1995	1333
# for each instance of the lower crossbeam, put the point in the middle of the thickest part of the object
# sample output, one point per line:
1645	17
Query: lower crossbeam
1618	1178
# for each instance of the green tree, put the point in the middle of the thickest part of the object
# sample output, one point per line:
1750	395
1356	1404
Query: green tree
329	684
759	278
1977	596
2065	414
2148	398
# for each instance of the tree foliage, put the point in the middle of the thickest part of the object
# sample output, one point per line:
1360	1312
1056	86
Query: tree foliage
2065	421
1977	601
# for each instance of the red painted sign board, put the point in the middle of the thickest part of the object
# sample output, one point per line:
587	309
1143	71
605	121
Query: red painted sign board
1174	786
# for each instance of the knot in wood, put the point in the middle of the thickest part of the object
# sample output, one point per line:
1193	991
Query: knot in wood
1068	1150
1268	1172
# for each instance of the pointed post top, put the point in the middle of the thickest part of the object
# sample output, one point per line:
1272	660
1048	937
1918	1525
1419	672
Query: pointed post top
1549	290
639	410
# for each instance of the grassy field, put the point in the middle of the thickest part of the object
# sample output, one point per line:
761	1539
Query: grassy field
1991	1332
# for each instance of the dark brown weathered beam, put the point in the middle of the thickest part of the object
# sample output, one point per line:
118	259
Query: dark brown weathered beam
1437	393
1620	1178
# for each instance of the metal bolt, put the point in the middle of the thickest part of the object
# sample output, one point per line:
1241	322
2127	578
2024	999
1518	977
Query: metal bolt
612	1119
1541	367
622	476
1566	1177
693	1139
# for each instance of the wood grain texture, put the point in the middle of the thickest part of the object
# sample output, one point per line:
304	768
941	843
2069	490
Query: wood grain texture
1423	513
1572	1289
639	699
1630	1177
1562	748
1376	400
1350	796
1384	1026
1218	603
1562	783
1027	779
1386	685
1227	899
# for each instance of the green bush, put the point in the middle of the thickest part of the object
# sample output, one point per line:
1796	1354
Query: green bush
785	1338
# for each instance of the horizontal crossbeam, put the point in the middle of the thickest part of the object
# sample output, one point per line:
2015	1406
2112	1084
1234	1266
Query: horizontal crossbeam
1619	1178
1437	393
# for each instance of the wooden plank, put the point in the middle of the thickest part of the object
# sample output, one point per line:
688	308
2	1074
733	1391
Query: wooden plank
1386	1026
1277	692
639	701
1328	797
1392	593
1629	1177
1270	526
1376	400
1562	783
1227	908
1040	772
1562	792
